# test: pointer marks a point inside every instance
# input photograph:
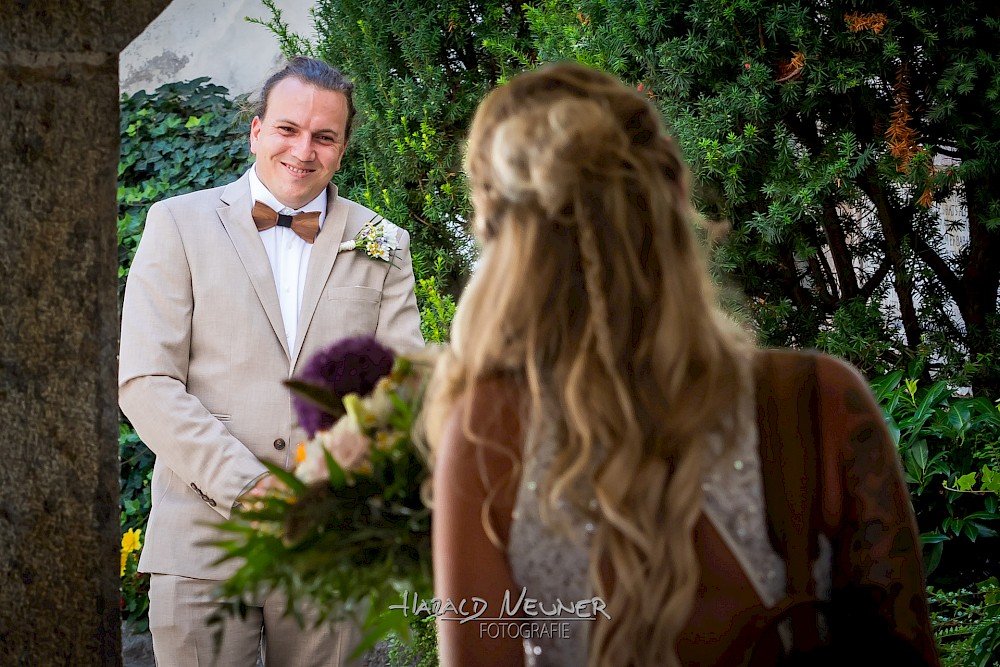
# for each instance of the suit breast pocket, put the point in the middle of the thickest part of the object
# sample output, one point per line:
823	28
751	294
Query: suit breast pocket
354	309
354	293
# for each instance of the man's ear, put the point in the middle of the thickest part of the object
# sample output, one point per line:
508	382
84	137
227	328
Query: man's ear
255	126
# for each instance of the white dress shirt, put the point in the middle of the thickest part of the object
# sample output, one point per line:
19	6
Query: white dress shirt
288	254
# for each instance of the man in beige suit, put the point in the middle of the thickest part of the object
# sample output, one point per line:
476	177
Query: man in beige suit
230	294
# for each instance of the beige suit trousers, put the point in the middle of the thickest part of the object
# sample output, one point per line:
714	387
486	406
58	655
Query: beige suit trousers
179	613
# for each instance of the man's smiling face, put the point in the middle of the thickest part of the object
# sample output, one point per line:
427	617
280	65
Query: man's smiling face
300	140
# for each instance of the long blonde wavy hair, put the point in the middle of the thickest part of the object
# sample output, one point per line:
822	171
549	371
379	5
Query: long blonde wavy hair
592	287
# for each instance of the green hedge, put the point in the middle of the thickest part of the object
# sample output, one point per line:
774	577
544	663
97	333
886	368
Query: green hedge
180	138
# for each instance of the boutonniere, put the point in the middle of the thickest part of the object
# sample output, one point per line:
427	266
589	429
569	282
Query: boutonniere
375	240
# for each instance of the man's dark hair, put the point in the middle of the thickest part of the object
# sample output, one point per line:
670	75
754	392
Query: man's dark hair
314	72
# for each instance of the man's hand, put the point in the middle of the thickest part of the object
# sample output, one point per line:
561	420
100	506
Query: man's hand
251	499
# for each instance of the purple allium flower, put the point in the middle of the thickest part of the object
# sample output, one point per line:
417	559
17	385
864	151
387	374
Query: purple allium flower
349	366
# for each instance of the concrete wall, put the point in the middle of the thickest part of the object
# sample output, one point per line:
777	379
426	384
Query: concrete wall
194	38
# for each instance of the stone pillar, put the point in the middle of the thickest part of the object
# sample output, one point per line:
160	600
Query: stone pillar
59	541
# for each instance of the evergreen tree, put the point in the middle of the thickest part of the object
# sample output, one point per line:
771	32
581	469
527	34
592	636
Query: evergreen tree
824	133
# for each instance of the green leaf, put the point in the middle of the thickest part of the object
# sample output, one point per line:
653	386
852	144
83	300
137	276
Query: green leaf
958	418
933	556
991	481
318	395
287	477
966	482
985	531
886	384
918	454
970	530
933	538
893	427
387	622
337	475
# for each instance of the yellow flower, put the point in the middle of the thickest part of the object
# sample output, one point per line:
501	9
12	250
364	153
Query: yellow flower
124	560
384	440
131	540
300	453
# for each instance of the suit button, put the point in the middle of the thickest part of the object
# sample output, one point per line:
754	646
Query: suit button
211	502
279	444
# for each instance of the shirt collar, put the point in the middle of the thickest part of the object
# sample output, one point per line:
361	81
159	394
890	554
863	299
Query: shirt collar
259	192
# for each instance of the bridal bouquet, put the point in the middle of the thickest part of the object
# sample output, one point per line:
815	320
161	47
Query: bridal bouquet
346	530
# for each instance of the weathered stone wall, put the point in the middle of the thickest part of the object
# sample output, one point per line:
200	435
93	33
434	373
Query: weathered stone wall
59	600
194	38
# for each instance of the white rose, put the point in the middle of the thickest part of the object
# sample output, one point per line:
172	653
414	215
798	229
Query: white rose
312	468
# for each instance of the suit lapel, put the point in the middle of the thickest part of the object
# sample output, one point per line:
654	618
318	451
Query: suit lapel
324	253
243	233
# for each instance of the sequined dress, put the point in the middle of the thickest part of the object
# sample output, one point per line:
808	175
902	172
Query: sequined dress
550	566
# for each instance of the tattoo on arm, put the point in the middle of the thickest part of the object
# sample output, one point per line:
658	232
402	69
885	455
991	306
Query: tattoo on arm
880	551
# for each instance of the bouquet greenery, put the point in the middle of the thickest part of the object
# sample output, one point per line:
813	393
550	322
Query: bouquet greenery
347	530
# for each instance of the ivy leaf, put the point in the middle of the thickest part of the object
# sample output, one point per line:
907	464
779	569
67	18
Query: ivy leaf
991	480
966	482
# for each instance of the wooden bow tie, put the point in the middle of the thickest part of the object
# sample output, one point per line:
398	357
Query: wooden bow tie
306	225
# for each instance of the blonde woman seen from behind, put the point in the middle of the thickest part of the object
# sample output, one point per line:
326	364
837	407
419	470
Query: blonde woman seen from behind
598	489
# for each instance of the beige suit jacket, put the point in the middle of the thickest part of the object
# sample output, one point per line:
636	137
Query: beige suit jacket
203	354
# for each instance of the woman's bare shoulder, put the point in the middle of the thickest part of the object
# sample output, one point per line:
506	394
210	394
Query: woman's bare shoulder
482	436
